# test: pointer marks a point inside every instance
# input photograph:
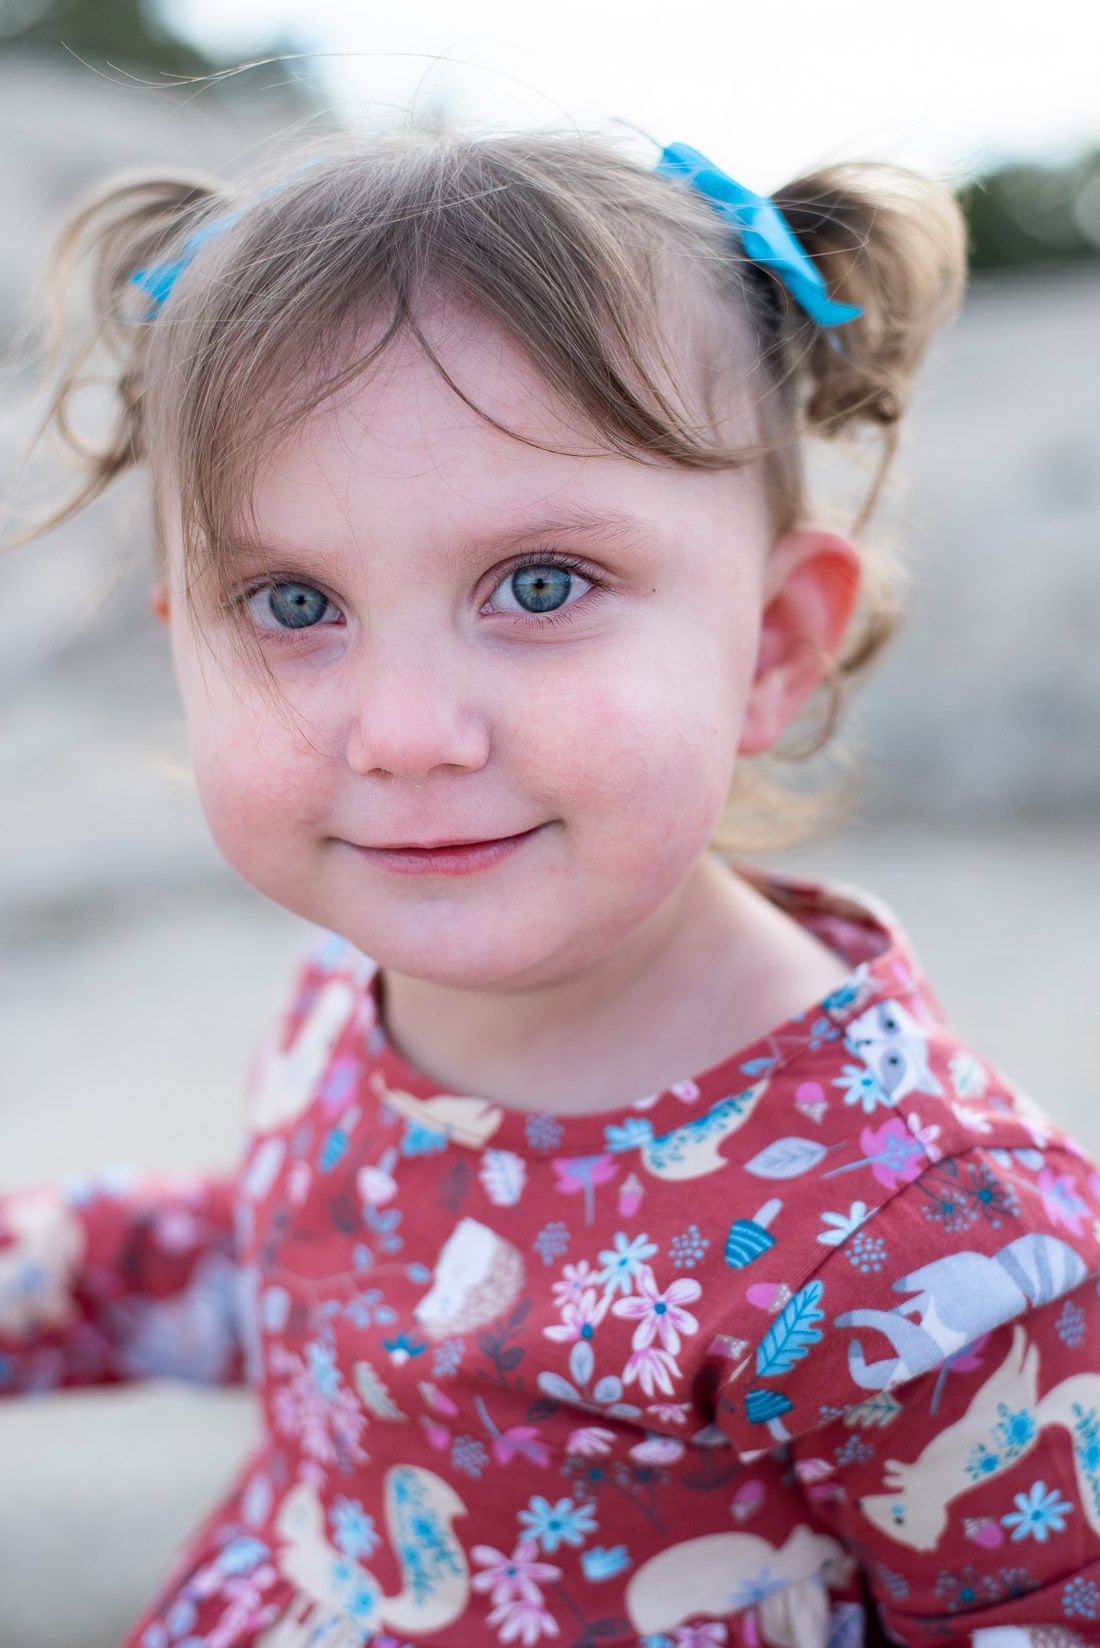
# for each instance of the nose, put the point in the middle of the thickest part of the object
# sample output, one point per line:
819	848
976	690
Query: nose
413	712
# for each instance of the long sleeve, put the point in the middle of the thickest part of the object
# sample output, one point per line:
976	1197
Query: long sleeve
935	1389
117	1277
128	1274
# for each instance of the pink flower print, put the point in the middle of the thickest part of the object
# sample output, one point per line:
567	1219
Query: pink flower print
651	1366
508	1577
580	1316
582	1173
659	1313
891	1152
1061	1204
670	1413
589	1441
315	1407
526	1620
710	1633
927	1136
516	1439
575	1279
519	1439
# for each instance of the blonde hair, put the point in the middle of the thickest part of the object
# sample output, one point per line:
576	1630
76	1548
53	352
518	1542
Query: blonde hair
576	251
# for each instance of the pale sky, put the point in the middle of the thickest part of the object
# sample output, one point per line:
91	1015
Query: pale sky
767	88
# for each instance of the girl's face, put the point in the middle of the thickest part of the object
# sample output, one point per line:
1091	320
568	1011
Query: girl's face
594	701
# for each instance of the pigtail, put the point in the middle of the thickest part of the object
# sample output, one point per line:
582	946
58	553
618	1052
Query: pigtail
121	227
893	242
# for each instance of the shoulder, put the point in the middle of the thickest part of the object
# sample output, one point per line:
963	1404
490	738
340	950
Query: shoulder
940	1203
328	996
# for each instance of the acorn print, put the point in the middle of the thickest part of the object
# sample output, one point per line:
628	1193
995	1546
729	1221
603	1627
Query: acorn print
630	1195
749	1238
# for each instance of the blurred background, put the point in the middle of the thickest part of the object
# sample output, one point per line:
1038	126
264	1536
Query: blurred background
136	972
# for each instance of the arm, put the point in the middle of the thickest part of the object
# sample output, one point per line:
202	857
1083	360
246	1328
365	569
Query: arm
131	1275
119	1277
958	1457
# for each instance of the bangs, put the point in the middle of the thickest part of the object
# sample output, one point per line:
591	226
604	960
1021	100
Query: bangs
626	294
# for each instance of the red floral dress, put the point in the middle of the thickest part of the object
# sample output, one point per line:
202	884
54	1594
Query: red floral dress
801	1352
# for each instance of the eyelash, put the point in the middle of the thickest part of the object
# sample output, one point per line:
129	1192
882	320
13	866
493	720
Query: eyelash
519	620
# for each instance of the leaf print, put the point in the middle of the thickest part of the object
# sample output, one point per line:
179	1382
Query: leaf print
881	1409
967	1076
792	1333
556	1387
843	1224
786	1158
581	1361
503	1174
374	1394
756	1067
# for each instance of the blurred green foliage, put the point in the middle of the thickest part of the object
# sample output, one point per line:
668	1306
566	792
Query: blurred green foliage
1017	214
135	36
1028	213
117	31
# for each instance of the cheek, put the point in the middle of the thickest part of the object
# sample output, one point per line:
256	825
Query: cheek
639	750
256	782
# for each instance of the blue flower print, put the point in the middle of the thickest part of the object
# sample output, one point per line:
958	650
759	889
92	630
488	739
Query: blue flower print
1038	1513
623	1263
966	1589
631	1135
551	1524
1015	1428
322	1365
600	1563
758	1587
355	1533
862	1088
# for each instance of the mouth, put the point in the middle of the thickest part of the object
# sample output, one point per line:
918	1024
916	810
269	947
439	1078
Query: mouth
453	857
440	846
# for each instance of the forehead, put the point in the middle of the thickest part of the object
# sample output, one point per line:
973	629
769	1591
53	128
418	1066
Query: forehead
467	439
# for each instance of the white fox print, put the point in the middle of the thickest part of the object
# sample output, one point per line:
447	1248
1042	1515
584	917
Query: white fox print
1000	1427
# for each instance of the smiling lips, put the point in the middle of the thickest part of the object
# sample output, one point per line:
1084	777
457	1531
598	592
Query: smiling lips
449	858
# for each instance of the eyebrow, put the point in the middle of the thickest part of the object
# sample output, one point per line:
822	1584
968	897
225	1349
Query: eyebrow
607	526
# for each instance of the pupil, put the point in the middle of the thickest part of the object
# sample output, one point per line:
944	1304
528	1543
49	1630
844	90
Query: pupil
544	587
302	607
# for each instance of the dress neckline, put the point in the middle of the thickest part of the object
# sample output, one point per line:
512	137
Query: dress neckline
853	923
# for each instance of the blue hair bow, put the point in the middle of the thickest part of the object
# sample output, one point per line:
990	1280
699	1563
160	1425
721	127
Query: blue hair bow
765	233
159	278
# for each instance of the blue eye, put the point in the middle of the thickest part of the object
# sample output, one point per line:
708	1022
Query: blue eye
540	589
542	585
292	605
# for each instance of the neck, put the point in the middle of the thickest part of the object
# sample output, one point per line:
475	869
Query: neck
712	969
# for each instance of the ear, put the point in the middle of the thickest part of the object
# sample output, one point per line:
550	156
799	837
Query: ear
811	582
159	602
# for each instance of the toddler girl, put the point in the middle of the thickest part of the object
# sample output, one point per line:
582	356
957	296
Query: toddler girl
624	1250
